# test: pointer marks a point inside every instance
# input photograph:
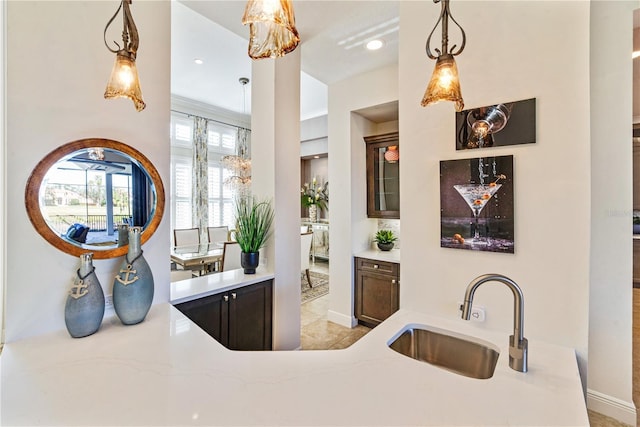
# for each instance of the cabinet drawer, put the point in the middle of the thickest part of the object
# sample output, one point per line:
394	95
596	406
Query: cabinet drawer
382	267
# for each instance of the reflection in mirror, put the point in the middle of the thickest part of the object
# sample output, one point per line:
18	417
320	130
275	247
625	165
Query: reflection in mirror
85	194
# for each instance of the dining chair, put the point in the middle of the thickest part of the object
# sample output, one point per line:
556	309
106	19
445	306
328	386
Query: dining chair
218	234
177	275
186	236
305	250
230	256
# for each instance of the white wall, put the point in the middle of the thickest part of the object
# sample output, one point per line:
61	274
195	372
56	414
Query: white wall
57	70
552	178
3	189
347	168
610	304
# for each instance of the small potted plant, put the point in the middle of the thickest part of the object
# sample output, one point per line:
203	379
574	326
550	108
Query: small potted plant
253	228
385	239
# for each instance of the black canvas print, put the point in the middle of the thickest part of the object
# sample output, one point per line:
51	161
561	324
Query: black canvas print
476	204
497	125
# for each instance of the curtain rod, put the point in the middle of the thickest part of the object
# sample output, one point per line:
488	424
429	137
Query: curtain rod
210	119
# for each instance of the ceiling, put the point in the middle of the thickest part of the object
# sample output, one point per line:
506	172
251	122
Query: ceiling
332	33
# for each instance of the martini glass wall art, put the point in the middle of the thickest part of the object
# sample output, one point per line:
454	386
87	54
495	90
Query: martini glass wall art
476	204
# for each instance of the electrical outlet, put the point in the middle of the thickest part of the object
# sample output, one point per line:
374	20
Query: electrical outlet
108	302
477	312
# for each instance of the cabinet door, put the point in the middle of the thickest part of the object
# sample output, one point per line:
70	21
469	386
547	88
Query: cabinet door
250	317
377	291
210	314
383	176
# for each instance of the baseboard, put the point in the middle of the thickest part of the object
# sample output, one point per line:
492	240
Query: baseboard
612	407
341	319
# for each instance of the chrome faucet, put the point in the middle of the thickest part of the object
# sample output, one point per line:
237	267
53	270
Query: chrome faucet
518	344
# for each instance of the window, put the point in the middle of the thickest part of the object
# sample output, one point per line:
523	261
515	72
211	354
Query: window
221	140
220	197
181	191
181	131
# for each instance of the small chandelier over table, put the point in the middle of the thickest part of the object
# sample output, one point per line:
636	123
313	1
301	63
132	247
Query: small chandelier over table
239	164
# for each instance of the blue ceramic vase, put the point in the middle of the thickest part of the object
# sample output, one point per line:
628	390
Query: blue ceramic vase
84	309
133	285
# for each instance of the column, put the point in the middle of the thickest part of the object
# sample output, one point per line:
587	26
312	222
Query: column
275	153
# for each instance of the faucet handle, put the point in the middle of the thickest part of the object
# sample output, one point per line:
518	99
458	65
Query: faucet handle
518	354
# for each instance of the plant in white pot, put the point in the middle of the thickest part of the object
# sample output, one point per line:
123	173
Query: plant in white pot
253	228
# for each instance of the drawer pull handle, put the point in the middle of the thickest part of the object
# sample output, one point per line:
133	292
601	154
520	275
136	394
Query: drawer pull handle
233	295
226	298
393	281
376	266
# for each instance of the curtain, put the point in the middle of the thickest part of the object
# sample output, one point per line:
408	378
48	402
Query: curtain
139	184
200	177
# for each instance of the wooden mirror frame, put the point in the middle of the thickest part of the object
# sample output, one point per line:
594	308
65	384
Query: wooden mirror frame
32	195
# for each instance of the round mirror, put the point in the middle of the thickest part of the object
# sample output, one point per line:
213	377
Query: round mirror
83	195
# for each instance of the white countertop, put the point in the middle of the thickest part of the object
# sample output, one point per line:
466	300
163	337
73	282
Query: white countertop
390	256
198	287
166	371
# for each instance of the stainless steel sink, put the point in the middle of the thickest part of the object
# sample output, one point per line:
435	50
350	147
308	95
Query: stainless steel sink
448	350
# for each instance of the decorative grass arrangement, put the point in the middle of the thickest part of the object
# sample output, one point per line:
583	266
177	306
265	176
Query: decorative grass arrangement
253	223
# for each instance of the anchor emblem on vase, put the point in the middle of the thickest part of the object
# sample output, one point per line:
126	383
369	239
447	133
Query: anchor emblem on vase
125	279
79	289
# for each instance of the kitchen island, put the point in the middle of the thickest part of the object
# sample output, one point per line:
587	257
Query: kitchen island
167	371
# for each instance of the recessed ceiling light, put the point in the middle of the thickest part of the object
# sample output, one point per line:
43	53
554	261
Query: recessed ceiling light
198	61
316	157
374	44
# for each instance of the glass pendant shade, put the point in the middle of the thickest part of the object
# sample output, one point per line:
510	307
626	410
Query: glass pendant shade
444	84
124	82
272	30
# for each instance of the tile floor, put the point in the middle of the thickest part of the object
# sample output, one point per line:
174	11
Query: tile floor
317	333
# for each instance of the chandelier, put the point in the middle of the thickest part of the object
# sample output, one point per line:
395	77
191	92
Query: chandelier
239	164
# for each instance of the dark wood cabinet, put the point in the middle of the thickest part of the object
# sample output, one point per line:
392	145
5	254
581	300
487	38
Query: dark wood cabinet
240	319
383	176
377	290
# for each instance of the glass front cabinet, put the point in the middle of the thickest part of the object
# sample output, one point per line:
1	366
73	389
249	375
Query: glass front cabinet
383	175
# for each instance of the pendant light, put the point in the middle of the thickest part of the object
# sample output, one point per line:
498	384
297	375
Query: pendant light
444	84
392	155
124	82
272	28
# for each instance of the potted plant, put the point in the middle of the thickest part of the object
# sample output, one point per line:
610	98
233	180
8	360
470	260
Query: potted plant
385	239
253	229
314	196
